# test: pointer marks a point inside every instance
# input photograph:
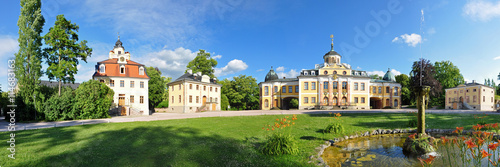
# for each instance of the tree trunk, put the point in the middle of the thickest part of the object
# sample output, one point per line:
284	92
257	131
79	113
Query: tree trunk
59	61
422	93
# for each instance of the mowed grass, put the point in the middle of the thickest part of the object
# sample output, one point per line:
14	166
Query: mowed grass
217	141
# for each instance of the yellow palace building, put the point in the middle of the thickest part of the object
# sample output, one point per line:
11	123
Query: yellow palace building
330	85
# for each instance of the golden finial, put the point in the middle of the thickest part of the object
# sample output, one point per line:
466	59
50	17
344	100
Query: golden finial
331	36
118	35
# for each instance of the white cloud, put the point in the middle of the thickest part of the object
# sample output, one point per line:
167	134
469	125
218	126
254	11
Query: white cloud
259	70
496	58
358	68
482	10
172	63
411	40
290	74
382	73
379	73
217	57
8	46
395	72
232	67
280	69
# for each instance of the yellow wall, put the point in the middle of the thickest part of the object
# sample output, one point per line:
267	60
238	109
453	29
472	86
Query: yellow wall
309	90
175	92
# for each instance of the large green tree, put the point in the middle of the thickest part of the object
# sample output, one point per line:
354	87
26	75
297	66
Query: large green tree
448	76
242	92
28	62
63	52
404	80
156	87
203	63
427	74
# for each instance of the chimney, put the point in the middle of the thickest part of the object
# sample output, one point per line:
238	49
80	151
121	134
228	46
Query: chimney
466	82
473	81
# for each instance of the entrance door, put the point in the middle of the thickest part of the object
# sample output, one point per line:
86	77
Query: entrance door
213	106
455	105
121	104
204	100
275	104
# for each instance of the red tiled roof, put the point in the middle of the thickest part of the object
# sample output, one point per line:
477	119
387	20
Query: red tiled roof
113	69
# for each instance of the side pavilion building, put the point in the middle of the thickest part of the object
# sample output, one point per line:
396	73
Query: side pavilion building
127	78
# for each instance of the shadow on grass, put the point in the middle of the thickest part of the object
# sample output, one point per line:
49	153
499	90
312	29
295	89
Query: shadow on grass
144	146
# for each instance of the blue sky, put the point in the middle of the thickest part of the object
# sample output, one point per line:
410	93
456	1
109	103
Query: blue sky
248	37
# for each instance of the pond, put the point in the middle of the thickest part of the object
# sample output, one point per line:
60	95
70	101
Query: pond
377	151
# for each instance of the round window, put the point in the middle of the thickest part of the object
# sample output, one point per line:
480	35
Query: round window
122	59
344	73
326	72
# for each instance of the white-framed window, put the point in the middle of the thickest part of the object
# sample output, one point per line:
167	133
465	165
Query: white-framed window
313	73
102	68
313	99
141	70
306	100
122	69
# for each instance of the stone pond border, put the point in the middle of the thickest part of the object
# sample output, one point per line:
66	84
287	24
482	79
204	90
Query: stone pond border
320	162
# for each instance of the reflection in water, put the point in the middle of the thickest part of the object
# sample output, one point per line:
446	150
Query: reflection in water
381	151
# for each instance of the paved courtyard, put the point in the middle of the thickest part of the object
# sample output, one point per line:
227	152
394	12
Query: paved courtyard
166	116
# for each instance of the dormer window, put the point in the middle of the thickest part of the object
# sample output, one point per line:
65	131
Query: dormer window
122	70
119	52
141	71
313	73
102	68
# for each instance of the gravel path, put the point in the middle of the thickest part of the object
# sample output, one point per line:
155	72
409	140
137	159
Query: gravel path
166	116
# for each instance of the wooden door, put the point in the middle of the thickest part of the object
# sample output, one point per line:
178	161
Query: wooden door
204	100
121	101
213	107
455	105
275	104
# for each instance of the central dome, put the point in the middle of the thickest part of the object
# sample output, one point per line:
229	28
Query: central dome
271	75
389	76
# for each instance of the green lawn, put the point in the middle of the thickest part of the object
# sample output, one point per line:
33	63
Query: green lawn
218	141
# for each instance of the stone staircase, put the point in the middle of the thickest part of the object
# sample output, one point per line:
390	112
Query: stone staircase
466	106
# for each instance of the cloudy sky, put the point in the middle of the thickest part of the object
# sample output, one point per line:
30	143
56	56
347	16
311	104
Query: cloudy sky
248	37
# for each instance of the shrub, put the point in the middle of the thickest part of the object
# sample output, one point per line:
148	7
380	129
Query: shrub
163	104
335	128
224	102
412	122
60	107
93	100
294	103
280	144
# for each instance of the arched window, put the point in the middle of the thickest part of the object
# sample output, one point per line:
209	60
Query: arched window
344	100
141	71
122	70
325	100
266	90
396	91
266	103
102	68
334	101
